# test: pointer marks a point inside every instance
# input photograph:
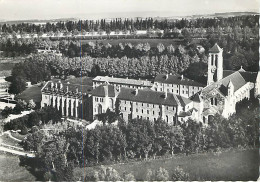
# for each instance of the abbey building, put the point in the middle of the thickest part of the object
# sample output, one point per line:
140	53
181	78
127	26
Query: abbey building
171	97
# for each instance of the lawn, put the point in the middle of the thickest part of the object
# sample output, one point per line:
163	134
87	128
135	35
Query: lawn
232	165
9	141
10	169
33	92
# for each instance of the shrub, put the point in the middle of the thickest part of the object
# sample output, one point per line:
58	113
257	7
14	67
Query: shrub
180	175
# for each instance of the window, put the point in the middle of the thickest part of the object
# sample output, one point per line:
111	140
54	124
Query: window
159	113
172	90
177	91
212	58
216	60
147	118
137	116
153	105
186	92
213	101
125	108
167	107
142	104
130	109
173	108
183	91
182	86
177	86
153	112
154	119
142	111
147	111
136	110
136	103
147	105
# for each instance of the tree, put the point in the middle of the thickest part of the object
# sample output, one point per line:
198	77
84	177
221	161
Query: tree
17	85
180	175
104	174
159	175
6	111
31	104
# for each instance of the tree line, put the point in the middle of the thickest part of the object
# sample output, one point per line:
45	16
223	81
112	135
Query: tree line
58	153
131	24
36	118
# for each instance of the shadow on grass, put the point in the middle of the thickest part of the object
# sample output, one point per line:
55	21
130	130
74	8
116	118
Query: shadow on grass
32	165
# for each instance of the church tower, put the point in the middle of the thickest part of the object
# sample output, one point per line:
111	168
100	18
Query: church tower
215	64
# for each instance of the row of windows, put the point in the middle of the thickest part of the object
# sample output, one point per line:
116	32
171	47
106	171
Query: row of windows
183	86
154	119
99	99
147	111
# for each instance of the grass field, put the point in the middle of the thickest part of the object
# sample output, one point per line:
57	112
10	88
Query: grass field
33	92
232	165
10	170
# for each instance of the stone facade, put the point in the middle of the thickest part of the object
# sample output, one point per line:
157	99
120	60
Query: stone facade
171	97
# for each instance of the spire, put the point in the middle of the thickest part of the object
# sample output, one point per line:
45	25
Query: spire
215	49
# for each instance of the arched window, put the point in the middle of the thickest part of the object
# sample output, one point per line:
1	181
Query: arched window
99	109
111	103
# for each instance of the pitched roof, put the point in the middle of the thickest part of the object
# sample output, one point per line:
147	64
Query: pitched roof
247	75
60	87
196	98
100	91
176	79
123	81
215	49
236	78
151	96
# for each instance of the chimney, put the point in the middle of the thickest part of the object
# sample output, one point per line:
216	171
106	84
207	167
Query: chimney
166	94
136	91
181	77
67	88
52	84
77	90
106	90
166	76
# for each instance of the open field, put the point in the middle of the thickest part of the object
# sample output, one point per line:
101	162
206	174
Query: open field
10	170
231	165
33	92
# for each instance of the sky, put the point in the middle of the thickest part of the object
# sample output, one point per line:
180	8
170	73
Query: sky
88	9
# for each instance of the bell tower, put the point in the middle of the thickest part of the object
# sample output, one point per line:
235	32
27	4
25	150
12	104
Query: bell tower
215	64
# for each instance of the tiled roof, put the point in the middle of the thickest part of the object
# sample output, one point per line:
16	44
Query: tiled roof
247	75
123	81
150	96
176	79
196	98
100	91
236	78
215	49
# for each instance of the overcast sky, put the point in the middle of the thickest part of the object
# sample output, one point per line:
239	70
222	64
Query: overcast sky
46	9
